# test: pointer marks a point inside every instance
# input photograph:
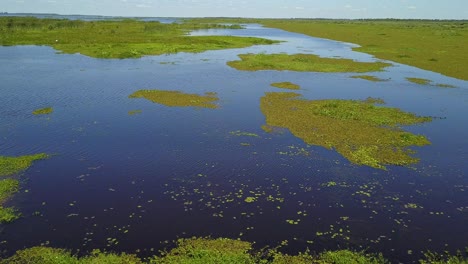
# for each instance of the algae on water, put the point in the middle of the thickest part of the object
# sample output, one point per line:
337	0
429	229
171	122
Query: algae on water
176	98
362	132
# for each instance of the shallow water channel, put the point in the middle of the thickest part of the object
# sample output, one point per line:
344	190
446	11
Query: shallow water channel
133	182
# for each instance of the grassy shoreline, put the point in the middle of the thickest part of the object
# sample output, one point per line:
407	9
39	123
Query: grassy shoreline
117	39
434	45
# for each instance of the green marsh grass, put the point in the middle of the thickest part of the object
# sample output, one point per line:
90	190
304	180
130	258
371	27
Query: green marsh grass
117	39
43	111
177	98
427	44
286	85
214	251
361	131
13	165
8	187
302	63
434	45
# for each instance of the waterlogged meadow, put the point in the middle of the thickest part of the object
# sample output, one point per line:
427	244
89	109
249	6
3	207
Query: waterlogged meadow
223	143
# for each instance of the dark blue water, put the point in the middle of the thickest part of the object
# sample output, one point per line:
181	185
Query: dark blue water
178	172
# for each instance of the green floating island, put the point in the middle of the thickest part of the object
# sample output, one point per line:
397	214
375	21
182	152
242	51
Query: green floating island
8	187
360	131
419	81
302	63
177	98
43	111
286	85
125	38
369	78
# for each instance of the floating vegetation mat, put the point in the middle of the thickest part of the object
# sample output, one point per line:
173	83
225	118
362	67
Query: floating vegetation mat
368	77
419	81
302	63
8	187
176	98
362	132
286	85
43	111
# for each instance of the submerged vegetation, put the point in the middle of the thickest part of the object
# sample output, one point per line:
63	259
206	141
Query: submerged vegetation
117	39
213	251
176	98
286	85
368	77
362	132
8	187
43	111
302	63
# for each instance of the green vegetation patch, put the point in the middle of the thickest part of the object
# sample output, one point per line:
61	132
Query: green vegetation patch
8	187
13	165
347	256
46	255
117	39
213	251
43	111
134	112
419	81
208	251
176	98
286	85
361	131
302	63
368	77
427	44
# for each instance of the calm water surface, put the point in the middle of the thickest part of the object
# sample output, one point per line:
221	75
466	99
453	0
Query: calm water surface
178	172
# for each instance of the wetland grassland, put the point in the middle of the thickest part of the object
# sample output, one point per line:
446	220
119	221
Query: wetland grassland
438	46
117	39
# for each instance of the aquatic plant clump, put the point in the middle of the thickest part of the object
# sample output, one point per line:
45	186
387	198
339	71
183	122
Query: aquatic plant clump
177	98
419	81
286	85
362	132
43	111
13	165
8	187
302	63
368	77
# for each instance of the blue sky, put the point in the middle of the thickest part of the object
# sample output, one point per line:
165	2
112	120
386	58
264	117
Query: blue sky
430	9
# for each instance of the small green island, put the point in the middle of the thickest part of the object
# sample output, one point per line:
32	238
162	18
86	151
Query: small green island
302	63
361	131
286	85
177	98
43	111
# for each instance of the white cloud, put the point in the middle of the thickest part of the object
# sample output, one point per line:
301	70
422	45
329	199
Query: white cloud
411	7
